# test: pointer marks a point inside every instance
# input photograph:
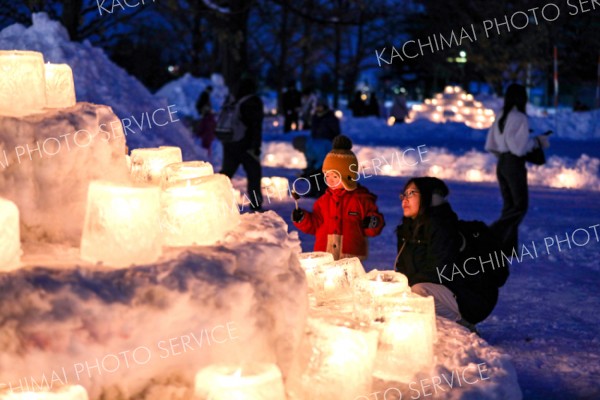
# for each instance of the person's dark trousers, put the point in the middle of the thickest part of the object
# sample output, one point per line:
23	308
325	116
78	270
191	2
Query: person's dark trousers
233	156
512	177
289	118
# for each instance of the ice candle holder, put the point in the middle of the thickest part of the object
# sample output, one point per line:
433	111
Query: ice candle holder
122	224
60	88
198	211
254	381
10	239
333	280
309	261
370	290
185	171
22	83
334	361
147	164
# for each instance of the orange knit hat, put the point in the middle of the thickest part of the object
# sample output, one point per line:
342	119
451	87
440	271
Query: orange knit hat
343	161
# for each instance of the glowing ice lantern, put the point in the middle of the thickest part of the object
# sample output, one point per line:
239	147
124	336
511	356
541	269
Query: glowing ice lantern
199	211
276	184
184	171
10	242
391	121
369	292
255	381
147	164
333	280
310	261
69	392
405	346
60	89
122	225
334	361
339	114
22	82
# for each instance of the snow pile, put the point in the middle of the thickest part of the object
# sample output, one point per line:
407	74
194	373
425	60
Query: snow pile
186	90
144	332
472	166
47	161
98	80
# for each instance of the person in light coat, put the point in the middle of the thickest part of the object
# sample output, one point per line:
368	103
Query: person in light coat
508	138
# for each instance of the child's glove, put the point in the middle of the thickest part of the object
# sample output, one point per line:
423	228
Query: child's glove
370	222
297	215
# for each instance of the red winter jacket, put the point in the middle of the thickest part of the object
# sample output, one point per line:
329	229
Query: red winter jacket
336	221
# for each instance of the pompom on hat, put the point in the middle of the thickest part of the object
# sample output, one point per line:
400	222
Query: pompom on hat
342	160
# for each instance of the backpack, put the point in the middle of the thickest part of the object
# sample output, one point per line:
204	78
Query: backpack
482	268
482	248
230	127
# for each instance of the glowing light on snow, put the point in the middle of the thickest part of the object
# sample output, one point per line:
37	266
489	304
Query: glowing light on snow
469	97
295	160
253	381
334	361
363	97
387	168
417	107
10	240
460	103
474	175
270	157
391	121
275	124
121	224
273	111
339	114
566	179
199	211
69	392
448	89
439	108
60	88
275	184
435	169
293	126
488	112
427	101
434	102
147	164
22	80
436	116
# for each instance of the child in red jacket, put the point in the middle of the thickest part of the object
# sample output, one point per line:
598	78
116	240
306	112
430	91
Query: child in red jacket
346	214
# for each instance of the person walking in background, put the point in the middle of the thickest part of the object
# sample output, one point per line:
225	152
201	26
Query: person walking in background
309	103
373	106
399	110
208	123
325	125
347	213
291	103
247	151
358	104
508	139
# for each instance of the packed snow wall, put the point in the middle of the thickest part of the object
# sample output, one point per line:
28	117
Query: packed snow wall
47	161
144	332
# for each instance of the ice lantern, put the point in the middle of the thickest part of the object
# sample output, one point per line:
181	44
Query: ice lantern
198	211
122	225
334	361
10	242
405	346
69	392
183	171
22	83
370	290
309	261
60	89
255	381
333	280
147	164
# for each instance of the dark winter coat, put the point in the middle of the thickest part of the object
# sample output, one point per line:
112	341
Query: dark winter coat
325	126
291	101
431	242
337	219
252	113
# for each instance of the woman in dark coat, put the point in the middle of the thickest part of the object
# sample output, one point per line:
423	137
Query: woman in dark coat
429	239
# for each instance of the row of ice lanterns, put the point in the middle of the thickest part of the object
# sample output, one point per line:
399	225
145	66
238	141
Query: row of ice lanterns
454	105
29	86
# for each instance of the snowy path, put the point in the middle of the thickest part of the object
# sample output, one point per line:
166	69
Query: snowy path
547	318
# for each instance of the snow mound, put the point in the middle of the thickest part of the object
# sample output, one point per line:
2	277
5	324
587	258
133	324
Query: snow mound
144	332
98	80
186	90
